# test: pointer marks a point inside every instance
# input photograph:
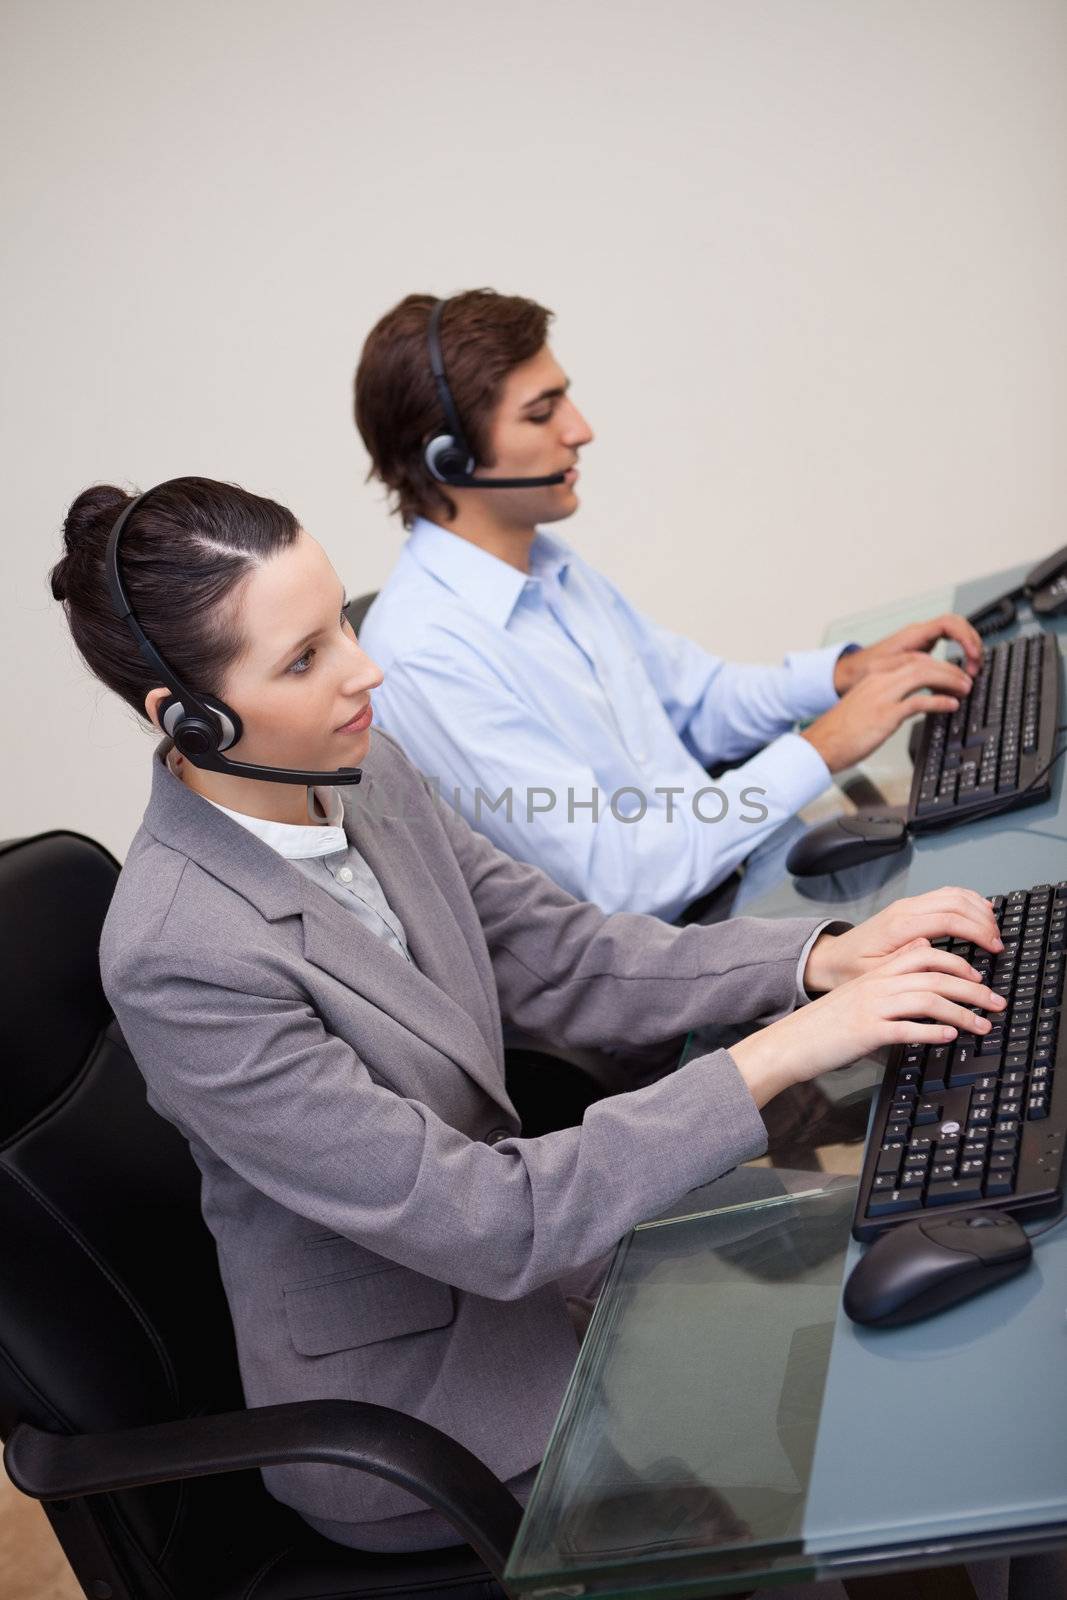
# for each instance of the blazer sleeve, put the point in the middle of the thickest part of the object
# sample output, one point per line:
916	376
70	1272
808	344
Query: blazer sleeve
239	1060
567	971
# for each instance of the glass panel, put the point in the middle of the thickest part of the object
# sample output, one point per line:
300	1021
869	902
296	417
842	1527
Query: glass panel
692	1423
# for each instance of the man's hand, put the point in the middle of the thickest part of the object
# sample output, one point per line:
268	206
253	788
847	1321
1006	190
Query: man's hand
880	702
906	924
917	636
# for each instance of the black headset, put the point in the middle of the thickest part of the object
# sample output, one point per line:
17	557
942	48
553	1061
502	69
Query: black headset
201	728
449	455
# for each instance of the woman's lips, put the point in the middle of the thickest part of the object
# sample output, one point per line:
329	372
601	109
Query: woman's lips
361	723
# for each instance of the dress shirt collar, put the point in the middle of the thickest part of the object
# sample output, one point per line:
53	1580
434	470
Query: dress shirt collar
486	583
293	840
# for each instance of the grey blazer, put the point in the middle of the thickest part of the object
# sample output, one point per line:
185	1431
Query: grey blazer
384	1231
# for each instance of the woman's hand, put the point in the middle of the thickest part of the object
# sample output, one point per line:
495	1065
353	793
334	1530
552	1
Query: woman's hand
878	1008
942	914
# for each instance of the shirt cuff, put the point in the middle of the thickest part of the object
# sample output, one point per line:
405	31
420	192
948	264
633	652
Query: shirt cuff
812	673
835	925
791	773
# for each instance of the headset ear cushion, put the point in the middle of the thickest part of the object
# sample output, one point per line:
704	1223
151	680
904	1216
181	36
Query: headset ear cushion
171	712
446	459
229	722
217	731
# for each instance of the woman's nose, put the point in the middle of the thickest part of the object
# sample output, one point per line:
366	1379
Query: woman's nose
363	673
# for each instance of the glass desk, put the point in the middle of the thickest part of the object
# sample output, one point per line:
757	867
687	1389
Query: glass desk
726	1426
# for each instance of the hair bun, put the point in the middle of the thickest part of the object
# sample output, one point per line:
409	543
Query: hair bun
86	529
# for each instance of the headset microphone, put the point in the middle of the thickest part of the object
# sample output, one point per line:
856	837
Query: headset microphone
448	455
201	727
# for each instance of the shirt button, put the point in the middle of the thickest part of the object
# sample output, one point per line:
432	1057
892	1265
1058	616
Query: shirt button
495	1135
345	874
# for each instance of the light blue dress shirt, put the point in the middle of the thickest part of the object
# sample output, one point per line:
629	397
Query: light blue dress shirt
574	732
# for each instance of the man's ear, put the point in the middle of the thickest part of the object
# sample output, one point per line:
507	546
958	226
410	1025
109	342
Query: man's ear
152	702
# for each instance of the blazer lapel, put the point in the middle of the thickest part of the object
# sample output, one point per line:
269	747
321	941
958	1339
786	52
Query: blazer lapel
445	977
437	999
335	941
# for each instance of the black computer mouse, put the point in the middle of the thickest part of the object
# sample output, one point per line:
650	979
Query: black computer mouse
920	1267
845	842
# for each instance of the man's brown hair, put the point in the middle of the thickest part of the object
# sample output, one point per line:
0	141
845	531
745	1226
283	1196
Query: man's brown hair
484	335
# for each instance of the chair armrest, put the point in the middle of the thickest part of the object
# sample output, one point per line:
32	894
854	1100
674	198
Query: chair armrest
339	1433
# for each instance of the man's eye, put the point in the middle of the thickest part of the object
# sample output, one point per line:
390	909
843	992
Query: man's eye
302	663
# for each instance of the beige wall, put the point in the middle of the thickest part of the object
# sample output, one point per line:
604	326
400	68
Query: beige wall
808	257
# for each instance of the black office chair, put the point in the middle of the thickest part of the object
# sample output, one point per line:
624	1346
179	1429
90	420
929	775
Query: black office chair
357	609
119	1393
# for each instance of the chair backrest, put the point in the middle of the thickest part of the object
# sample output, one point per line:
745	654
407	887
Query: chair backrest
111	1308
357	609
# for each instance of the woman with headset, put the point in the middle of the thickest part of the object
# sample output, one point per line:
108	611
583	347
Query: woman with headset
312	974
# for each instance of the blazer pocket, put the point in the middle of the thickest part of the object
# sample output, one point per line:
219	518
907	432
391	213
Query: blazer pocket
358	1308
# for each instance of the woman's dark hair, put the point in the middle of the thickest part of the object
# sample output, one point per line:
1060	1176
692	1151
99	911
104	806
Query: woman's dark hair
397	407
183	556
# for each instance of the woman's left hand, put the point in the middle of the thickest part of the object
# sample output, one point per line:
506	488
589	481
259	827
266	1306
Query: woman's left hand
941	914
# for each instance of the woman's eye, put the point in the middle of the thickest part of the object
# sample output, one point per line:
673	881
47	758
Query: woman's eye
302	663
541	416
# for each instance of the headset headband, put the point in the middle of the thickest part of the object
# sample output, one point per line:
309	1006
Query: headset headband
448	455
201	728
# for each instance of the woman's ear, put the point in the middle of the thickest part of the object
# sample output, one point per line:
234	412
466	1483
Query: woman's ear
152	702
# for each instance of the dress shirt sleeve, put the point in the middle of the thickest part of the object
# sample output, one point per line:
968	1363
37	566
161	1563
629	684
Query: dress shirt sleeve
685	843
722	710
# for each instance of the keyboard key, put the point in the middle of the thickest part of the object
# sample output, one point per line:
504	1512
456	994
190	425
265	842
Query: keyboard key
936	1065
956	1189
886	1205
963	1065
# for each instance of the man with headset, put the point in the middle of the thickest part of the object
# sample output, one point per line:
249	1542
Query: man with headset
566	726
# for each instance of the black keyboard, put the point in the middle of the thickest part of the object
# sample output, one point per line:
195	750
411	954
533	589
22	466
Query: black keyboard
980	1121
991	749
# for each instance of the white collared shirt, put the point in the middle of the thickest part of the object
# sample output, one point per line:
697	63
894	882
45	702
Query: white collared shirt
324	853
